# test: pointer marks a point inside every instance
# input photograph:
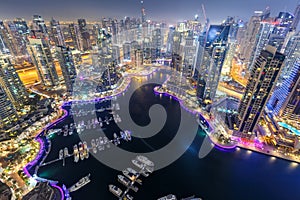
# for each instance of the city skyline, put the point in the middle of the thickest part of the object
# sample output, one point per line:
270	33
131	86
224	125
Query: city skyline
155	10
79	82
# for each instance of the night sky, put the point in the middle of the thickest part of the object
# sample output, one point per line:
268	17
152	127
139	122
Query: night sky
166	10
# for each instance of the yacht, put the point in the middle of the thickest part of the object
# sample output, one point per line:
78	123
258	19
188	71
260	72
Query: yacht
129	175
106	141
86	150
115	190
131	170
145	160
76	154
82	182
94	146
125	181
129	197
168	197
128	135
139	164
61	154
81	151
192	198
66	152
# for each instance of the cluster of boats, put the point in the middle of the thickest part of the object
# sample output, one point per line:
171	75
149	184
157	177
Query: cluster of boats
79	112
81	151
99	144
131	176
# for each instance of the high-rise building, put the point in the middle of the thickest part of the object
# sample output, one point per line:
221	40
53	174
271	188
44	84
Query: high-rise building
8	114
85	35
211	53
261	40
296	18
67	66
11	83
292	52
7	44
126	50
157	40
261	83
138	60
39	25
143	12
248	43
284	102
56	33
76	36
189	50
22	26
41	57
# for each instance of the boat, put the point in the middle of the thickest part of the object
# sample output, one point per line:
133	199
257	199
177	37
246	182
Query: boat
115	190
139	164
145	160
94	146
106	141
131	170
81	151
129	197
101	146
100	109
168	197
129	175
117	106
192	198
66	152
65	132
128	135
146	174
86	150
82	182
76	154
61	154
124	180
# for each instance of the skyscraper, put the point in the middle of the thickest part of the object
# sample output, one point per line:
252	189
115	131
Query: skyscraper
248	43
7	45
283	102
56	33
262	80
296	18
8	114
261	40
39	25
11	83
85	35
41	57
67	66
211	54
143	12
76	36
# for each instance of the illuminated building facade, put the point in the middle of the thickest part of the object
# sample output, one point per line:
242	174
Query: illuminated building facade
11	83
8	114
56	33
76	36
211	53
67	66
41	57
259	88
85	35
